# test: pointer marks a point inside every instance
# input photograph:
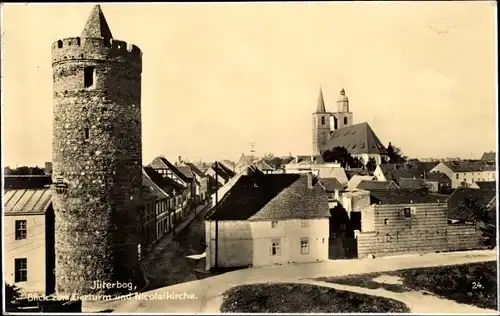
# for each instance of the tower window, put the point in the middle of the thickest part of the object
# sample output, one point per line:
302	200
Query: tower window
89	74
86	132
345	120
322	120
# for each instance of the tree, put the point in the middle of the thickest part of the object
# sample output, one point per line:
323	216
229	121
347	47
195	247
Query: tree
24	170
395	154
275	162
12	293
484	218
371	164
338	154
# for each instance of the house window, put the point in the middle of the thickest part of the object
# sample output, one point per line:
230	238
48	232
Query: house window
387	238
21	230
304	246
88	76
275	247
386	221
407	212
304	223
343	227
458	176
274	224
21	269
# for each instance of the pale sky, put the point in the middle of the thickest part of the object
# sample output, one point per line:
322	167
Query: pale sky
219	76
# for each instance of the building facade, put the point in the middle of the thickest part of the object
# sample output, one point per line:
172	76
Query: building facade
269	219
407	221
97	159
466	174
29	254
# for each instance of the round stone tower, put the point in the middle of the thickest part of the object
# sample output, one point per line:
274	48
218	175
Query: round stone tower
97	165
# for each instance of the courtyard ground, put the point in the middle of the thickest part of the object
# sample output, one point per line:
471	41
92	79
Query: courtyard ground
304	298
206	295
475	283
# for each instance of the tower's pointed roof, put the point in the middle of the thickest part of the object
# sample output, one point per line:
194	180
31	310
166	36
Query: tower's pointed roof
96	26
321	102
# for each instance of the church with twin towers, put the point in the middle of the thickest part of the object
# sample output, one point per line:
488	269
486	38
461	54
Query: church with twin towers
337	129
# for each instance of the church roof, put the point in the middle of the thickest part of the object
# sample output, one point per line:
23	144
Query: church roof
357	139
321	103
96	26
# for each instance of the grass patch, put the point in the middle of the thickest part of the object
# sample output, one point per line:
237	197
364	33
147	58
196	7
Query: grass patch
473	284
304	298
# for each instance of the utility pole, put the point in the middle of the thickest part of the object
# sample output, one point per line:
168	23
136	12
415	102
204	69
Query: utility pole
216	221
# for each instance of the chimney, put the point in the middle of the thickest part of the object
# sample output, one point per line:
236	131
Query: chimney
179	159
310	180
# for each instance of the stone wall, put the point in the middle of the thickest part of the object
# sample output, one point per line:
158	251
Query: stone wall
97	156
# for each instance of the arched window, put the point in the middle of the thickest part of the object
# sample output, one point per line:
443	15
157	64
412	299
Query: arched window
335	123
345	120
322	120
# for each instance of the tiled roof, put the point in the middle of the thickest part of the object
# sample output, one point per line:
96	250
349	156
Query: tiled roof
195	169
490	168
164	163
491	156
223	171
405	196
27	182
394	172
334	172
153	188
463	196
270	197
356	180
186	171
405	183
469	166
437	176
418	169
262	165
228	164
331	184
34	201
357	139
166	184
369	185
487	185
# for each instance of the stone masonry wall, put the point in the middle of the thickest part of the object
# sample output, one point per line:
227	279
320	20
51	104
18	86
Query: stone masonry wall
97	153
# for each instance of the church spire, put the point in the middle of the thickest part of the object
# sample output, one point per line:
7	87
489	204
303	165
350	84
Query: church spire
321	102
96	26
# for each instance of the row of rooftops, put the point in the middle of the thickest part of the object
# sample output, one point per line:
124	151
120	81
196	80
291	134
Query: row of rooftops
278	196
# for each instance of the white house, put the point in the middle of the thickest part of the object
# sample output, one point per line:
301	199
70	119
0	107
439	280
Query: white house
466	174
315	164
269	219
